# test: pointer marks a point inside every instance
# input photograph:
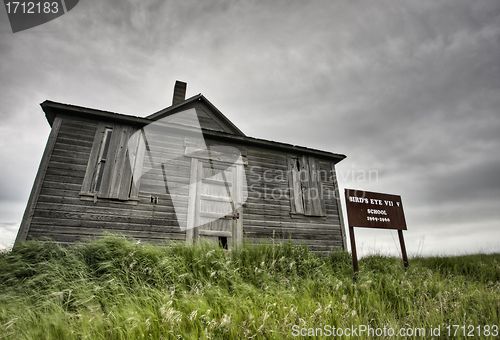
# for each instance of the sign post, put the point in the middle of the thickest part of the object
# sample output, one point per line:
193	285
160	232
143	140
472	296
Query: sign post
374	210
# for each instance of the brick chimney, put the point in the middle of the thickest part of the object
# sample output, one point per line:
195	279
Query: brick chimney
179	92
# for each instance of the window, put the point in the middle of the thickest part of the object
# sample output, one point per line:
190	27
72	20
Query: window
115	157
306	189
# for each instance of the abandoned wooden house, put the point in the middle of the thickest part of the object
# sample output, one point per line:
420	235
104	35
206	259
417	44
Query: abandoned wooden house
184	173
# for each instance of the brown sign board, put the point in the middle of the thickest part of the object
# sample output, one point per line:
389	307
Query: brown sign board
374	210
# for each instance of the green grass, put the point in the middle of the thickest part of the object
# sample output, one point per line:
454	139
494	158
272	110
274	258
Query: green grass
112	288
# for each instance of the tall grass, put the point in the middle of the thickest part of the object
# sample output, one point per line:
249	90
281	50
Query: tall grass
112	288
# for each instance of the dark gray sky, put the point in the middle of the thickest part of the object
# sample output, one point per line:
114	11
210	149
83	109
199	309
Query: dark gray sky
408	89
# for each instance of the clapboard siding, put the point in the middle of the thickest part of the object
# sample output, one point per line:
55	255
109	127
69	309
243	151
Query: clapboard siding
62	215
75	234
73	198
62	227
206	122
69	160
68	235
68	166
122	211
267	214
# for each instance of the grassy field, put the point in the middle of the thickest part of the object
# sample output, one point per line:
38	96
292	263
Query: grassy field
112	288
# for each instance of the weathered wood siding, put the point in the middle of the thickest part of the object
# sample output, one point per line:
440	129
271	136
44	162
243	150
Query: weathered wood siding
206	122
267	214
61	214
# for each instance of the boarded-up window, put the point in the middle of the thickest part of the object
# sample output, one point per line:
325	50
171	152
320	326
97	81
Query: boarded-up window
306	189
114	159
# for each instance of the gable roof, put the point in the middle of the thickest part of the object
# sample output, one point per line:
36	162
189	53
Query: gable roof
211	110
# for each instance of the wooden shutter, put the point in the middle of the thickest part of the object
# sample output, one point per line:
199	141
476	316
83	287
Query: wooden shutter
315	191
296	203
306	189
304	175
117	176
91	172
137	150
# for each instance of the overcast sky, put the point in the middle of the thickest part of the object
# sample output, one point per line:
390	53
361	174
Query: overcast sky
409	89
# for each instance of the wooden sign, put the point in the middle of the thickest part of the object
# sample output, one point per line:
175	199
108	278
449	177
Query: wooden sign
374	210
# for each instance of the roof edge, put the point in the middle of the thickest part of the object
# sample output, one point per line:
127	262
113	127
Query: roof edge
154	116
165	112
52	109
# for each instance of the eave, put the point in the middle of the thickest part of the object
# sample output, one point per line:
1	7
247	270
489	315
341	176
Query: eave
52	109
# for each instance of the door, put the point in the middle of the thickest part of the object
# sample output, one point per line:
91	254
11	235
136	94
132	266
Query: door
215	209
